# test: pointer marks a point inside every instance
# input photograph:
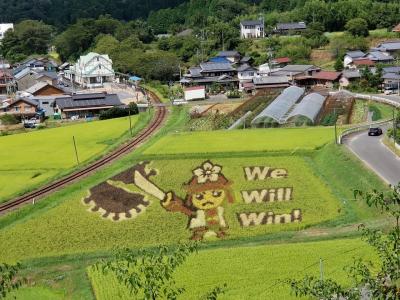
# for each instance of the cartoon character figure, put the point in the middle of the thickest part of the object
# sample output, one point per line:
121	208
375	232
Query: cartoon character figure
207	192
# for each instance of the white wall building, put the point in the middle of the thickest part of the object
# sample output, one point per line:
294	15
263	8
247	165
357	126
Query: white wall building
252	29
91	70
195	93
4	27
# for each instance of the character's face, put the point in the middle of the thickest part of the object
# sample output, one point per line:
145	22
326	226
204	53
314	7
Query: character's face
208	199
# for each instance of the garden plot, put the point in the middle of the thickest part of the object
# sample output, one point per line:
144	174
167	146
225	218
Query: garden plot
166	201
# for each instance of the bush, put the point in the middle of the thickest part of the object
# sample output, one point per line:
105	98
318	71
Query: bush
118	112
233	94
8	119
329	120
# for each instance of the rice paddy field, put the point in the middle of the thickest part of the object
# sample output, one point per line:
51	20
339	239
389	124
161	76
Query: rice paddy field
271	140
30	159
286	196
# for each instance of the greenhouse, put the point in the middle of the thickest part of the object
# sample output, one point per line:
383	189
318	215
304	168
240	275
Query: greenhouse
309	107
278	109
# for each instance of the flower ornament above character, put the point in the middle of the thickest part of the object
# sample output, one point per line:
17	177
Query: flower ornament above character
208	172
207	192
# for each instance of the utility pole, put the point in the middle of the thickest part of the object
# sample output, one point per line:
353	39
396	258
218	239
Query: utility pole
130	121
321	269
76	150
334	113
394	128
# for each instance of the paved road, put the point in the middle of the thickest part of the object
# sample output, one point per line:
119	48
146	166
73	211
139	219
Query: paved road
375	155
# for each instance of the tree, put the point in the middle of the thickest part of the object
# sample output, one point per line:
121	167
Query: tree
339	64
8	279
149	274
357	27
29	37
376	282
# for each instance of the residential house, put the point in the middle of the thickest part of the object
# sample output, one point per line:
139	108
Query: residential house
4	27
48	77
292	71
91	70
271	82
391	81
252	29
23	108
232	56
319	77
64	66
6	79
380	57
361	63
290	28
44	89
350	56
348	77
280	62
85	105
246	60
390	48
24	79
246	73
211	73
38	64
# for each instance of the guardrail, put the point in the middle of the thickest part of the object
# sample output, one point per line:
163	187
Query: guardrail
365	126
360	128
369	97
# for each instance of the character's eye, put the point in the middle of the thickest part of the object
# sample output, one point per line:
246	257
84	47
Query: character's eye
199	197
216	193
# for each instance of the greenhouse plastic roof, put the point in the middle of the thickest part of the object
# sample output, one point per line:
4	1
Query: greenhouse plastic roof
309	107
281	105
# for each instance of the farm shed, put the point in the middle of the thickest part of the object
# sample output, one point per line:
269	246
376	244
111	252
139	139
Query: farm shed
279	108
309	107
195	93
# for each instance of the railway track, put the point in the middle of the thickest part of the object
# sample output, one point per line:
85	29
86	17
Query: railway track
122	150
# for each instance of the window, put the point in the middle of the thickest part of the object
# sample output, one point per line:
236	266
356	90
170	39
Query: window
27	108
251	73
16	108
45	103
99	67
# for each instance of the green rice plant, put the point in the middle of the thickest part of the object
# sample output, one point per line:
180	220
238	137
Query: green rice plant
254	272
51	151
70	227
282	139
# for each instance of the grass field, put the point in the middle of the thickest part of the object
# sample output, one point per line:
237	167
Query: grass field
274	140
250	272
32	158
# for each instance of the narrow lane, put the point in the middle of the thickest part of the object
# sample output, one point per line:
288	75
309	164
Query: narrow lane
375	155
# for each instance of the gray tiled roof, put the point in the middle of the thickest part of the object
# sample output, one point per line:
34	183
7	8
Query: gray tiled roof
270	80
245	67
355	54
251	22
209	67
88	100
391	76
379	56
390	46
391	70
351	74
